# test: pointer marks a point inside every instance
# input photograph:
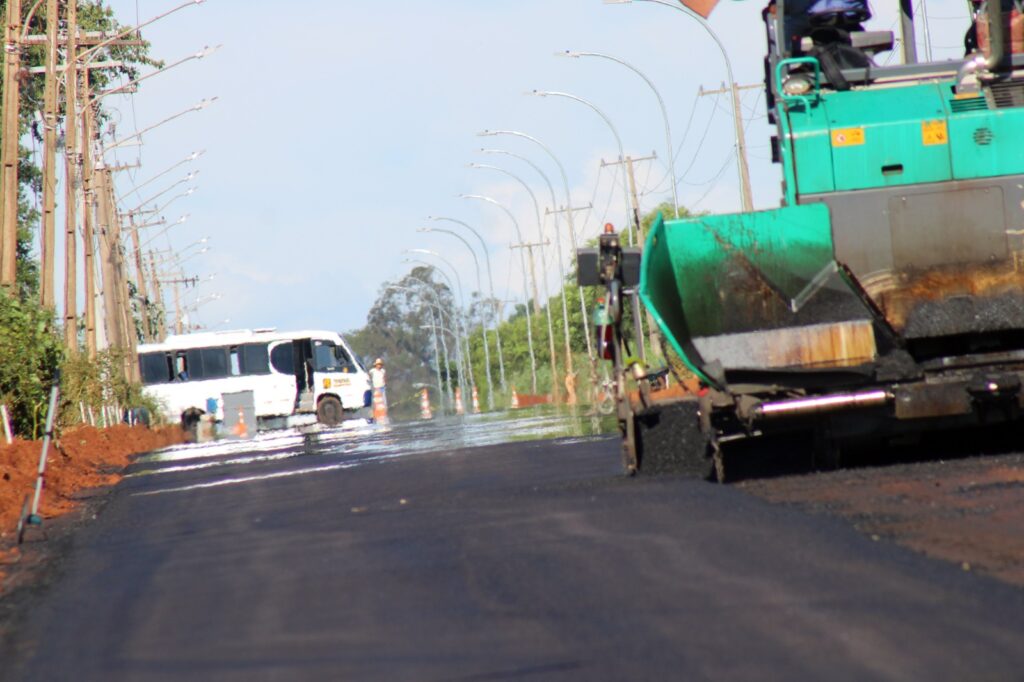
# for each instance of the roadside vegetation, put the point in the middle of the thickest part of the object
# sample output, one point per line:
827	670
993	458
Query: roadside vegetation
32	349
399	329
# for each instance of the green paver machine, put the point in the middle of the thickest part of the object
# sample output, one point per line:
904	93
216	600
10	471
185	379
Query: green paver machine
886	296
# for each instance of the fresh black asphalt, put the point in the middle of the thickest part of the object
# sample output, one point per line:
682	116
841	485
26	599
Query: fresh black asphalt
523	560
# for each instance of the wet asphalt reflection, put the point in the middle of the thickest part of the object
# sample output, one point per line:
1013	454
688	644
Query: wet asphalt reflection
315	449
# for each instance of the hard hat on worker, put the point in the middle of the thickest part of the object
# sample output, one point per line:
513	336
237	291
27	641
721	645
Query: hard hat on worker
377	362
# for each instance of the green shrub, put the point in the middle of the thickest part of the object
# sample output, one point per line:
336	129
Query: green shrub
30	353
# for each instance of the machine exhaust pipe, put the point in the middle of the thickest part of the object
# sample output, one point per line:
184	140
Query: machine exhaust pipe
820	404
967	76
996	36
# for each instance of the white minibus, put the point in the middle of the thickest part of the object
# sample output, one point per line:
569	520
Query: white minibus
289	373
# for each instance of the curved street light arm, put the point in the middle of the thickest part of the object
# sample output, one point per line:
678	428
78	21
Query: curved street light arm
661	106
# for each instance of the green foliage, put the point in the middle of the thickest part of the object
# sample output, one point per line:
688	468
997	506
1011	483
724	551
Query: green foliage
30	348
30	353
395	331
89	383
92	16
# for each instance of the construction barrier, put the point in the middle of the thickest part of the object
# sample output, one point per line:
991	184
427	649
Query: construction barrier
241	430
515	400
476	401
459	408
425	412
380	408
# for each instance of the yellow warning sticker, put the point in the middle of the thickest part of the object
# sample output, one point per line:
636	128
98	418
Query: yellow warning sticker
934	132
847	137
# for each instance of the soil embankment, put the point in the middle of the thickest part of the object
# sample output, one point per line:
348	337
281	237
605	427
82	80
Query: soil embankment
82	458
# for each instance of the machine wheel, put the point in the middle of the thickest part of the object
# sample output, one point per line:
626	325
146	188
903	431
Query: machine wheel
669	440
329	411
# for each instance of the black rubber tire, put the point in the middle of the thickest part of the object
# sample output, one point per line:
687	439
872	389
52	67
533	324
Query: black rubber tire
329	411
669	440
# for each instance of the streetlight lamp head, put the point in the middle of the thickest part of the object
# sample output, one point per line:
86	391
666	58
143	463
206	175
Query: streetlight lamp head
486	133
568	53
207	51
424	229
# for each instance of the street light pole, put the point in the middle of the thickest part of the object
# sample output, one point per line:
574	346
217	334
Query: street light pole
490	284
455	334
487	352
618	142
634	299
572	233
544	273
437	356
560	257
661	106
462	301
746	200
526	293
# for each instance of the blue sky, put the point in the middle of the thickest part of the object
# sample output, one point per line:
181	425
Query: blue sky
341	125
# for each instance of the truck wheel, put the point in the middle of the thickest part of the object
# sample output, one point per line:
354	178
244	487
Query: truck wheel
669	440
329	411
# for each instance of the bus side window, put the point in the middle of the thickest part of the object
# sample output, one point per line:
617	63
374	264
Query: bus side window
236	362
282	358
343	361
323	357
155	368
255	359
180	367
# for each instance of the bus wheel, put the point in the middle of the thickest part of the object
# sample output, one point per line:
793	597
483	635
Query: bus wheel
329	411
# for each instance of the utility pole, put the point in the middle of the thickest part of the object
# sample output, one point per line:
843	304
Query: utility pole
72	180
140	274
9	147
551	339
121	264
570	374
652	333
89	201
746	196
161	320
47	240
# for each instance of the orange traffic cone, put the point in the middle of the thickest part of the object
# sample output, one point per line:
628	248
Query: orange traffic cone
241	430
425	412
476	401
514	404
459	409
380	408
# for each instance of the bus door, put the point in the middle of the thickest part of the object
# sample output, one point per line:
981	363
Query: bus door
288	365
336	373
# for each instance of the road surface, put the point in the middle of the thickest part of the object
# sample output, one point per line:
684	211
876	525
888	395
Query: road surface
447	551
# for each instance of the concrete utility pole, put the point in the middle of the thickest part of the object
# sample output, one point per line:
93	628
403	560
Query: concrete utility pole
161	320
746	196
9	147
47	295
140	275
490	283
72	179
551	337
88	207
